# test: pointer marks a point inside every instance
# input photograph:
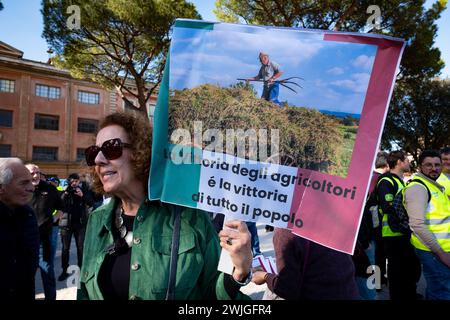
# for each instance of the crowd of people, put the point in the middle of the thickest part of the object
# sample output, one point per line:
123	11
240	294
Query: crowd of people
58	211
130	248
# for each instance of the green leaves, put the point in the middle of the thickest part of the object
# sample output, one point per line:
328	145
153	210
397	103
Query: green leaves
120	44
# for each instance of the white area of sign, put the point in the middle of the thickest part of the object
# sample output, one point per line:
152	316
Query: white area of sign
246	207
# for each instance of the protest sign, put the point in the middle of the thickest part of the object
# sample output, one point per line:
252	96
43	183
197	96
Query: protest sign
275	125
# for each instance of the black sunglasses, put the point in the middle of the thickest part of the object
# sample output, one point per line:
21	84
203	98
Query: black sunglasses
111	149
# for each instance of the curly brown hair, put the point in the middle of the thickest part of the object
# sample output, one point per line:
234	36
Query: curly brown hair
139	131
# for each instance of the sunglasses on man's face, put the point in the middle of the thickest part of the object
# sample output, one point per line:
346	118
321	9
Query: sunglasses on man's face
111	149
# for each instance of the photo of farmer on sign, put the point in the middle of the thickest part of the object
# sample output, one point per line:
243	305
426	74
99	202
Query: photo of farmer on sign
269	72
275	125
299	88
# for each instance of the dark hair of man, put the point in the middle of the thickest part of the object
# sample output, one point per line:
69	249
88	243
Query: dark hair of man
394	156
428	153
445	150
381	160
73	176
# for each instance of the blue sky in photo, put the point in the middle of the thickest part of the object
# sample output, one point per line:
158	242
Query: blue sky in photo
21	26
336	74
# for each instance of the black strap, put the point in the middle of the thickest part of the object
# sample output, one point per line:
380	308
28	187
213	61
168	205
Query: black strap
305	263
422	183
170	294
392	179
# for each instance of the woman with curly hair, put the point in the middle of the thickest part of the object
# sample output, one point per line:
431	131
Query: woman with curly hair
141	249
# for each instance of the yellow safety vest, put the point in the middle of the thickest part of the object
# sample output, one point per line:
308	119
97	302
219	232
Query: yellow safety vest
59	188
386	231
437	217
444	181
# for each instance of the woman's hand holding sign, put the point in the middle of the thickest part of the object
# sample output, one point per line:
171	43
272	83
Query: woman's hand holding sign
237	241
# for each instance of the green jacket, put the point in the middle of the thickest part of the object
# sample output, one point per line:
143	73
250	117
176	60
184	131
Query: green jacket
199	252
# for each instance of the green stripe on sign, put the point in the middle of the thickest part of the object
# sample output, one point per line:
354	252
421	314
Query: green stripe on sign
160	133
168	181
181	181
192	24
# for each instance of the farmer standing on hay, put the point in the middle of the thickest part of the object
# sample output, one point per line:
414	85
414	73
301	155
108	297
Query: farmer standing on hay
269	72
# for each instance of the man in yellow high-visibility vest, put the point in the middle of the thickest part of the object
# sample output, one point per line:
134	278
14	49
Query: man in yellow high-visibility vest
428	209
444	178
403	267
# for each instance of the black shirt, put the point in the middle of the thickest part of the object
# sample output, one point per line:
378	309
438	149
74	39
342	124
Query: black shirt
114	275
46	199
19	244
75	205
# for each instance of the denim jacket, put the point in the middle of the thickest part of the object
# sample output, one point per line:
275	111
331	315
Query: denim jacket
198	255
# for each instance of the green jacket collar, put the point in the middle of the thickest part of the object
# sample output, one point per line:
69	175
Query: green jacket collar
107	212
107	218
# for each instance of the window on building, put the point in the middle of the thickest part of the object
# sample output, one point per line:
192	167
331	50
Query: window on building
151	109
6	118
5	150
48	92
7	85
130	104
45	153
46	122
88	97
87	125
80	154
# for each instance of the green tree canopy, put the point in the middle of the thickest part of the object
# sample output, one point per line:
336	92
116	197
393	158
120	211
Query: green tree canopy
409	20
116	41
420	117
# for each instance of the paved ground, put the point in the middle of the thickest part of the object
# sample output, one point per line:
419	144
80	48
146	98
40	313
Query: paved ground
67	290
64	290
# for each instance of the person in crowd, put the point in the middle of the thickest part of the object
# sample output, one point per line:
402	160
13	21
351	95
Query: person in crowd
56	216
128	249
269	72
428	210
381	167
19	234
369	246
86	187
46	199
76	201
308	271
444	178
403	266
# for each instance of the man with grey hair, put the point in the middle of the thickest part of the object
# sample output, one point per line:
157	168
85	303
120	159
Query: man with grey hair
269	72
46	199
19	235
